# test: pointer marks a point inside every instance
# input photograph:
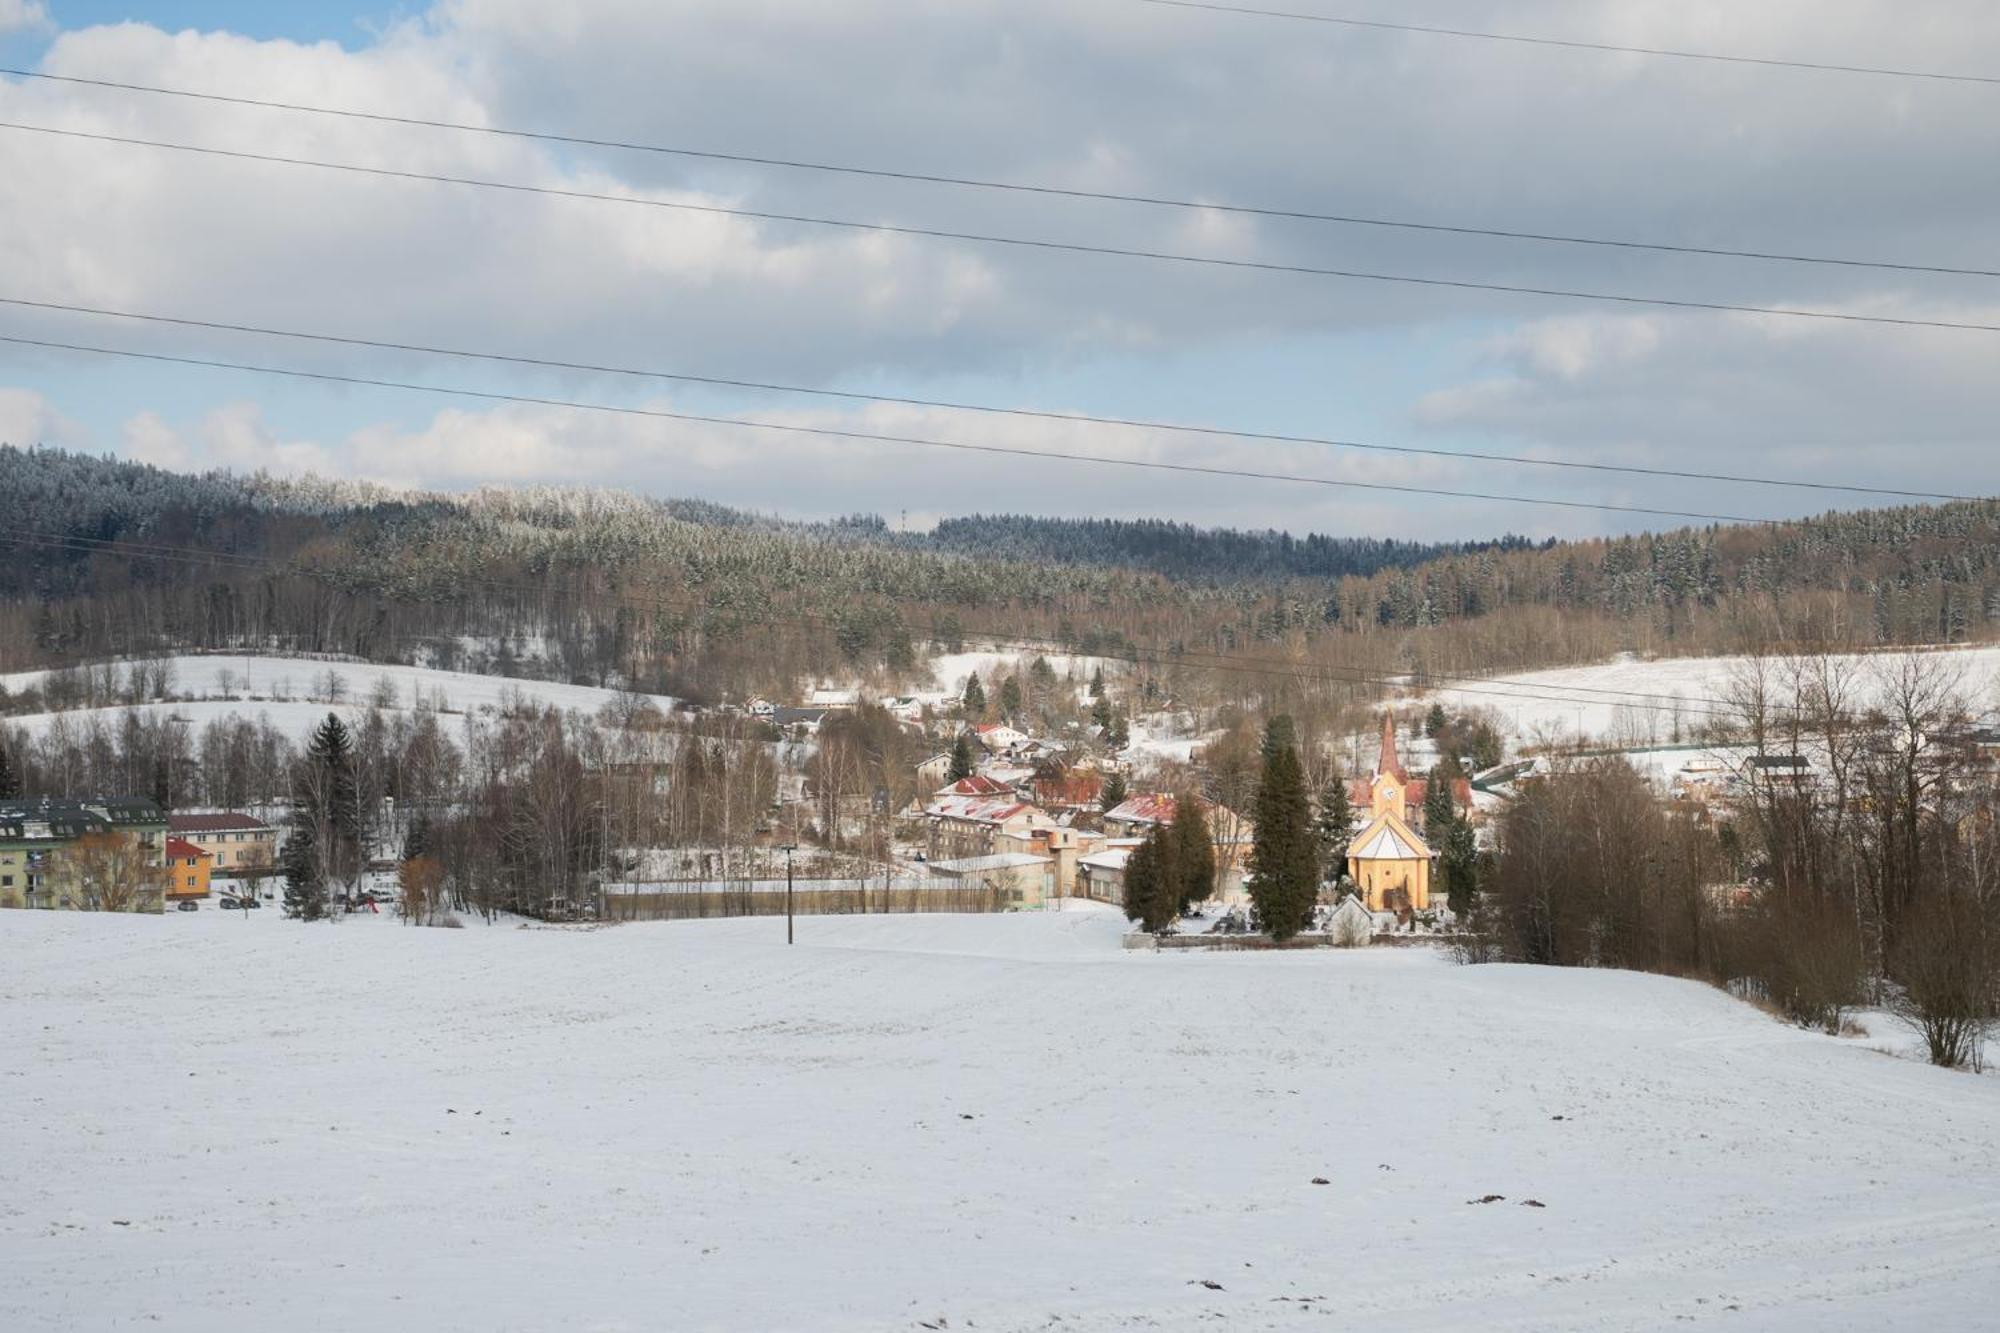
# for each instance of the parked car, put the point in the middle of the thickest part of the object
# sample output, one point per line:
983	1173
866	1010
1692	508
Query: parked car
187	906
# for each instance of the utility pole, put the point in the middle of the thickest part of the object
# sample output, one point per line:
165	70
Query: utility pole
788	849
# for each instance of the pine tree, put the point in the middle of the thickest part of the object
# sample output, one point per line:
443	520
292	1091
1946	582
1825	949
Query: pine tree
975	696
1284	879
1113	793
1100	714
1335	829
1193	851
329	801
1440	810
1459	865
1097	683
10	781
1120	733
1153	895
961	758
1010	698
1435	721
305	890
417	842
1140	877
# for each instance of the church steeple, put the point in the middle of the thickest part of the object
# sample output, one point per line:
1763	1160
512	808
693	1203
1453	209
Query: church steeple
1388	761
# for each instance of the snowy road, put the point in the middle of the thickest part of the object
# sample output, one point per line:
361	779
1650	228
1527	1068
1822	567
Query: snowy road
1001	1122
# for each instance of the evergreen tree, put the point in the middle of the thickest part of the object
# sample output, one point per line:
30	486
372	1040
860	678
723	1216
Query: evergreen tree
1010	698
1194	852
975	696
1440	810
1097	683
1459	864
1120	733
162	793
1113	793
1284	873
1435	721
328	800
417	842
305	890
10	781
1153	895
1335	829
961	758
1100	714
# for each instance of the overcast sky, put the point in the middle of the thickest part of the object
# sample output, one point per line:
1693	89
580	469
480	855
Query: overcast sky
1092	94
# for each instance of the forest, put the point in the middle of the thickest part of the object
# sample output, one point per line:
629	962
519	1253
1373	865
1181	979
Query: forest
681	597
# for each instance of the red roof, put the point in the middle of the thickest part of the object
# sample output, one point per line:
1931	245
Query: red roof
1158	808
976	785
178	850
1388	761
214	824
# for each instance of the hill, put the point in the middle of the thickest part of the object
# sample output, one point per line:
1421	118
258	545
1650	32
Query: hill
664	1113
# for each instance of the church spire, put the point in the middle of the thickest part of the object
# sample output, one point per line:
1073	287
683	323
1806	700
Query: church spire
1388	761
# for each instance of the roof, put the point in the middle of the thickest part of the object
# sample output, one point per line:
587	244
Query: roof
180	850
1386	844
976	785
223	823
47	820
1153	808
972	865
1110	859
978	809
1388	761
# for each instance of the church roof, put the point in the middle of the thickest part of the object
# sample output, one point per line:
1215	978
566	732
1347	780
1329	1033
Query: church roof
1386	844
1388	761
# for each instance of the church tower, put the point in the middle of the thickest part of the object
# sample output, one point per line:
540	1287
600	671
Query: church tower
1390	863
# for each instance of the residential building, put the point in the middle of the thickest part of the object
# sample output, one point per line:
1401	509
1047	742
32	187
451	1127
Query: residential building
1021	879
962	826
1232	834
45	846
238	844
188	869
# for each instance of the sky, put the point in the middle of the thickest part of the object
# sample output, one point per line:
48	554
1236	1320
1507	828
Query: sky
1099	95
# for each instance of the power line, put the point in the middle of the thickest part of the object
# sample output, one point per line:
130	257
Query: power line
1015	187
548	363
1145	656
1022	242
1827	67
788	428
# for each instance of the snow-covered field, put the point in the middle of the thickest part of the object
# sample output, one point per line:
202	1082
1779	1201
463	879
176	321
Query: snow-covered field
293	692
1002	1122
1635	701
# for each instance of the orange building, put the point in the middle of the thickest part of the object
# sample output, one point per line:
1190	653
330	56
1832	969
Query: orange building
187	870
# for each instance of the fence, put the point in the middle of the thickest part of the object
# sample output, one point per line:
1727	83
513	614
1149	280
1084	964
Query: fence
703	900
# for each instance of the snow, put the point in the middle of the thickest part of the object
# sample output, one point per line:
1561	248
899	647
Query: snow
949	670
1007	1122
1572	700
289	690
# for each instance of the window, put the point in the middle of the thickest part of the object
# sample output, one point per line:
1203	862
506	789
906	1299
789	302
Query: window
191	881
6	881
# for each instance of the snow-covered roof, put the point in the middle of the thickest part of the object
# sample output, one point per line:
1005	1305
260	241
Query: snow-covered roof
1113	858
973	865
1388	845
979	809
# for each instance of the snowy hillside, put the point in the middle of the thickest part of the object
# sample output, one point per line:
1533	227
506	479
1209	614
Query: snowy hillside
1000	1123
1633	701
296	693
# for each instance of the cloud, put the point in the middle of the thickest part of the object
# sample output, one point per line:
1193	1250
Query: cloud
17	15
1104	97
28	419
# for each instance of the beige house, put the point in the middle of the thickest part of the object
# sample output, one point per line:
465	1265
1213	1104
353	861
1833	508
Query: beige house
962	826
1021	880
237	843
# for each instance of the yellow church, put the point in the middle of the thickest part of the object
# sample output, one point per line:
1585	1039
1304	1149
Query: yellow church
1389	861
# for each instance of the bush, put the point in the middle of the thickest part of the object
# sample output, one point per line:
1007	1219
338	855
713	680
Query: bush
1949	974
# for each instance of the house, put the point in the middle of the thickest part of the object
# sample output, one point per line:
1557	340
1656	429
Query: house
1070	792
187	870
1020	878
1389	862
47	848
762	708
934	772
1064	847
827	698
1101	875
978	784
1136	817
998	737
237	843
905	708
967	825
